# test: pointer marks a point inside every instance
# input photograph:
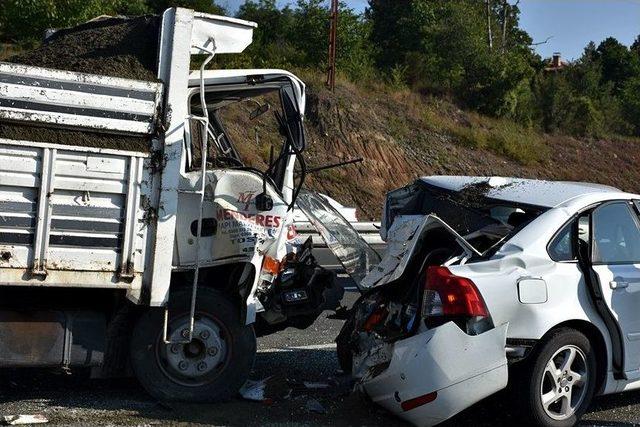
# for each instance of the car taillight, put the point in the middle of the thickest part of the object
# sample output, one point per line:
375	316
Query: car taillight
375	318
451	297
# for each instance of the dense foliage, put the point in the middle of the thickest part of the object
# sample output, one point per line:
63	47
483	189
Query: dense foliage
471	51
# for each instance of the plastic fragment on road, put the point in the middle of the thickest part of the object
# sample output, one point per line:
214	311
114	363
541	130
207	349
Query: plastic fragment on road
15	420
254	390
315	385
315	407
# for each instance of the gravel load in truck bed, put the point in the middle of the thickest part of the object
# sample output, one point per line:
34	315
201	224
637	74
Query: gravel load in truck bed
115	47
22	132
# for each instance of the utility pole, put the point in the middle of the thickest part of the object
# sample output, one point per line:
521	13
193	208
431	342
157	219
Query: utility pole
333	37
488	2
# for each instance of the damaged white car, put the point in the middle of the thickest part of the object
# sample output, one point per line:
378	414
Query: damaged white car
489	281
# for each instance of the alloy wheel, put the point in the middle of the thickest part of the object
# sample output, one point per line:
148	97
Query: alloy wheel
564	382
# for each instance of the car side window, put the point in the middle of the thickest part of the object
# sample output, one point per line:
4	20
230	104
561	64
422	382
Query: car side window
561	247
616	236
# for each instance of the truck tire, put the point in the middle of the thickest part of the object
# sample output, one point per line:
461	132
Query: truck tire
211	368
555	384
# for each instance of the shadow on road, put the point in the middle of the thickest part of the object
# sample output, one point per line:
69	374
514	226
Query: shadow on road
77	399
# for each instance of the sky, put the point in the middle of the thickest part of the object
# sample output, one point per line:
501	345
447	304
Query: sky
571	24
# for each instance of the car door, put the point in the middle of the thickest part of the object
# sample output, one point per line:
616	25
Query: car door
615	259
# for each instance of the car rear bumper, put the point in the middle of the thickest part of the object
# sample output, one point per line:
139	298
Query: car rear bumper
436	374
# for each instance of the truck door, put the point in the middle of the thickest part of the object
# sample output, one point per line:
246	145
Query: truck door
615	259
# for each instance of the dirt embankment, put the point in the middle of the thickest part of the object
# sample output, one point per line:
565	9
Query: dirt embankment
398	143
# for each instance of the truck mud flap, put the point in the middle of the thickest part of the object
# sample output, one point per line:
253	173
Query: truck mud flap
434	375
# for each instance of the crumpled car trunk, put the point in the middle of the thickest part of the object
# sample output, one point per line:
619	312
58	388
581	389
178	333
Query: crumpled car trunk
396	352
390	310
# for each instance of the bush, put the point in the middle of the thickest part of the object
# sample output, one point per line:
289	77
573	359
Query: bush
580	117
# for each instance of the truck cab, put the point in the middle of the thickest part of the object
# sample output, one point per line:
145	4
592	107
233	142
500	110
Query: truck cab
148	226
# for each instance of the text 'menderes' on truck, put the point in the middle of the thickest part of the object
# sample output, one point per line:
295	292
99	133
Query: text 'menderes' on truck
133	234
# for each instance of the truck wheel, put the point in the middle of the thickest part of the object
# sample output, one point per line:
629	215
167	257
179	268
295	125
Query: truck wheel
556	384
211	368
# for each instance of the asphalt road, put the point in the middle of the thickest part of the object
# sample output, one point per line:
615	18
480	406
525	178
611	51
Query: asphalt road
288	359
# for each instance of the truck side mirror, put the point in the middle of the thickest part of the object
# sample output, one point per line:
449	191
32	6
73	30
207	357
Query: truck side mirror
264	202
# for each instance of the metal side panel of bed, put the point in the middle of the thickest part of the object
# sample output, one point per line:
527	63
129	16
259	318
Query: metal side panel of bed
72	216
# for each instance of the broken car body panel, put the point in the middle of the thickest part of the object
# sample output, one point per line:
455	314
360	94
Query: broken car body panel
403	239
416	371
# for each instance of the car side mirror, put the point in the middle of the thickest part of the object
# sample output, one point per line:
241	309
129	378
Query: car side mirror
264	202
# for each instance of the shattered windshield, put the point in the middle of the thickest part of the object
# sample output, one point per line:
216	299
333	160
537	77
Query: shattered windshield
481	221
355	255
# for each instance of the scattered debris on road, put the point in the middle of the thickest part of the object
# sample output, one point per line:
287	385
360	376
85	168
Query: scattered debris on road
315	385
15	420
254	390
315	407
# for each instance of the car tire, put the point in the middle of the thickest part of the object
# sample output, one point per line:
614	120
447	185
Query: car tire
550	393
216	363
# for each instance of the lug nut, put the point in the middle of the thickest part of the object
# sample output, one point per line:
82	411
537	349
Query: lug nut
185	333
566	389
204	335
202	366
212	351
570	378
183	365
560	390
175	349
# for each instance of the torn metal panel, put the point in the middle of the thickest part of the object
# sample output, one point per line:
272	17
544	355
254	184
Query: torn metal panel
404	238
476	367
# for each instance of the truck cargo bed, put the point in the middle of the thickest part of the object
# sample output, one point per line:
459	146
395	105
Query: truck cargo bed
71	216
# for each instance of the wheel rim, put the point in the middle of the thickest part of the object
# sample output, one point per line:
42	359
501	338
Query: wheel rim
564	382
200	361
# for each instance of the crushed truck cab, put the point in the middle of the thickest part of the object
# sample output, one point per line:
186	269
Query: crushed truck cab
141	223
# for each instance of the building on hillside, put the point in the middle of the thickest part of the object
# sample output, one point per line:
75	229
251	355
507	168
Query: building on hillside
556	63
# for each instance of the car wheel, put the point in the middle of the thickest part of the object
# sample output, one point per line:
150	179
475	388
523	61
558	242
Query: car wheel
556	383
212	367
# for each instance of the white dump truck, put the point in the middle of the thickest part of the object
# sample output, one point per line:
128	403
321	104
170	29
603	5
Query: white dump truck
133	236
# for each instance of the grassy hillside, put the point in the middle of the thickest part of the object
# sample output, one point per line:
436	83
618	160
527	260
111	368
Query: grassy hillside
402	135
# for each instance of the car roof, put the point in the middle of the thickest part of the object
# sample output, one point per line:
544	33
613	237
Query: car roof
534	192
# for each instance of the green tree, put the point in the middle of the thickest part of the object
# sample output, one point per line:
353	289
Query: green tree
618	62
24	20
630	101
207	6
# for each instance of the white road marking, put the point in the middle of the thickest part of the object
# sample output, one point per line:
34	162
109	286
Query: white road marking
329	346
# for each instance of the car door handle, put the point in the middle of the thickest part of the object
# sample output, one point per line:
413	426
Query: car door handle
616	284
